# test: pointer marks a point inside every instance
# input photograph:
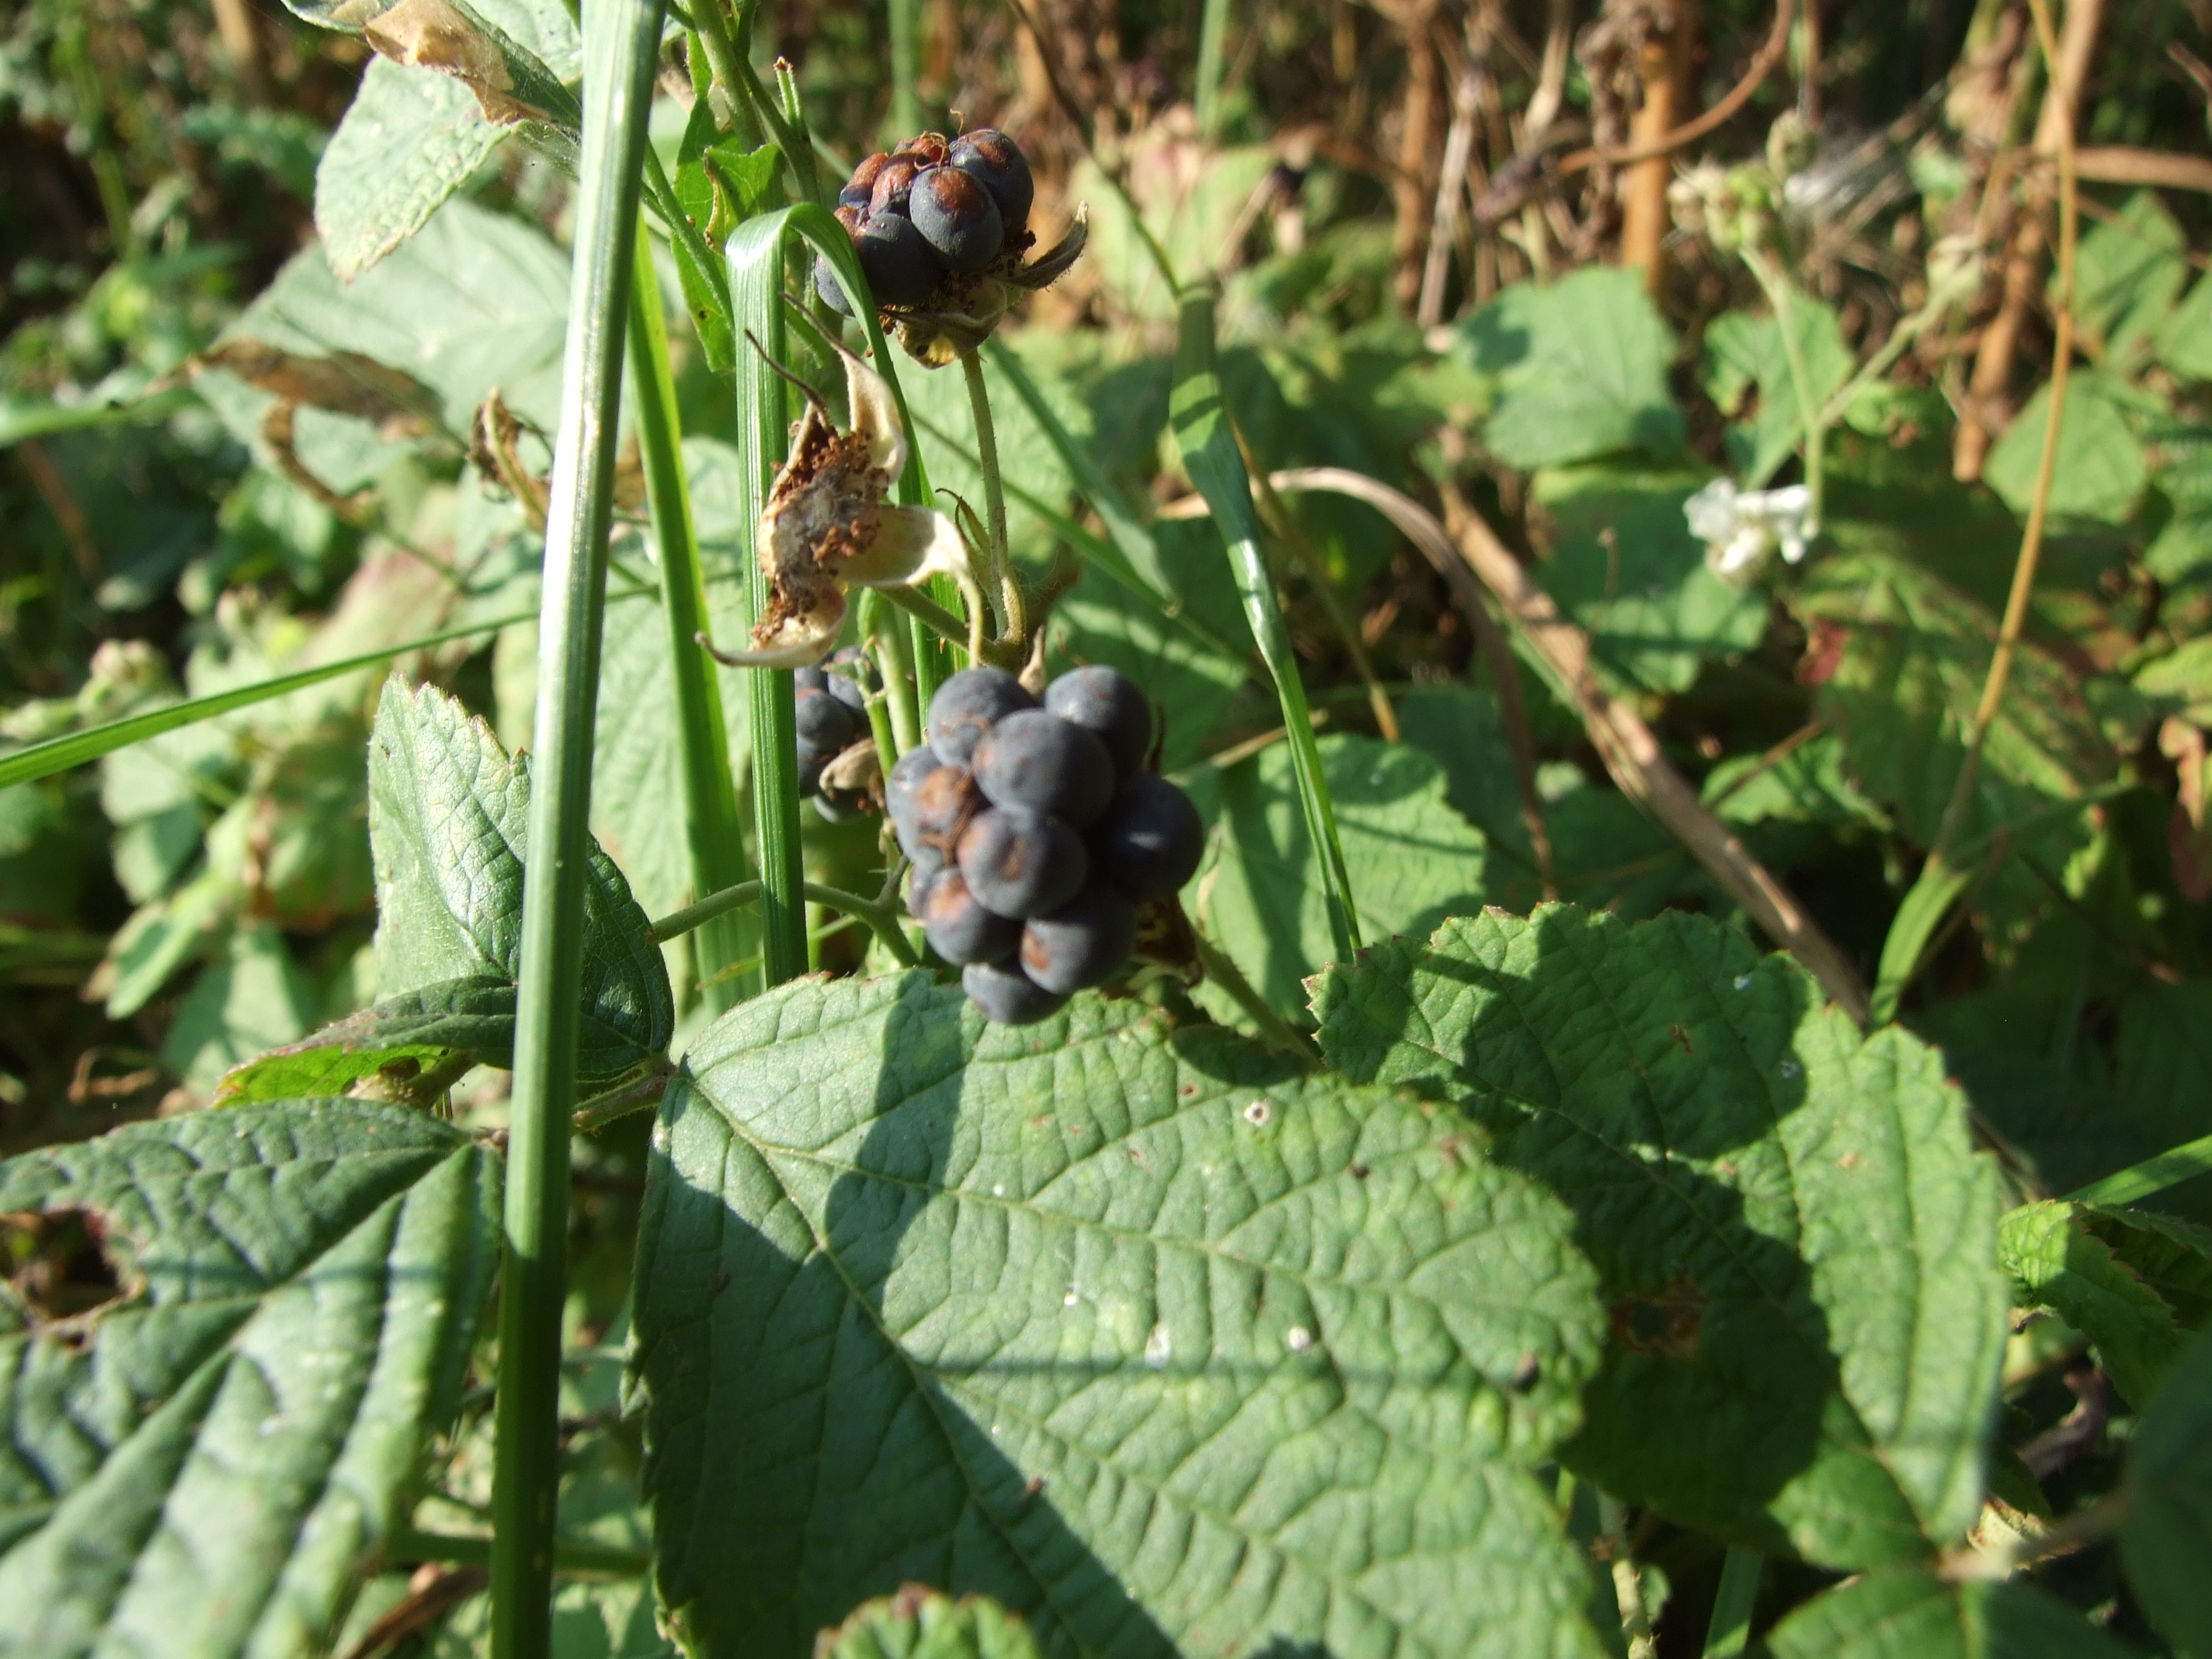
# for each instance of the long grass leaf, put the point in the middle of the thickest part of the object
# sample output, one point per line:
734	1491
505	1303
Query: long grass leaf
1201	418
43	760
713	827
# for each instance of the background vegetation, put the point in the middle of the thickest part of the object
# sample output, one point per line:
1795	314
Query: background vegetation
284	320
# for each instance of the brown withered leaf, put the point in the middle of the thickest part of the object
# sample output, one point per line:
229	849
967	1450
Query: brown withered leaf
436	34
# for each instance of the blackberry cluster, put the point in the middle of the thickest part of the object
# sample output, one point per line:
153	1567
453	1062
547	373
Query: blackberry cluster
1036	833
832	716
932	209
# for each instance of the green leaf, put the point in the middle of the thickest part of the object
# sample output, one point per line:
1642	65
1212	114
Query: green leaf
254	999
920	1623
2102	465
2185	340
2164	1073
407	141
1625	566
447	814
473	300
2133	1282
1127	1326
408	1048
1899	660
201	1466
1745	353
2128	273
1259	894
1910	1615
1790	1222
2166	1537
1581	366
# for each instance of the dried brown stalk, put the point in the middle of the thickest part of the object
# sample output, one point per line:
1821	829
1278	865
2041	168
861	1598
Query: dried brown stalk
1408	191
1770	55
1986	412
1663	64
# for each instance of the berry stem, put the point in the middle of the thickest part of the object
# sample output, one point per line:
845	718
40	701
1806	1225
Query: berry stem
888	645
1013	611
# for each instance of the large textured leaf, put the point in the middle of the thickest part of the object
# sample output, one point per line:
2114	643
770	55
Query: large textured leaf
1126	1326
408	140
1745	353
201	1468
1797	1238
2133	1282
1413	860
1625	566
1581	369
447	812
473	300
1900	667
1909	1615
2167	1535
917	1622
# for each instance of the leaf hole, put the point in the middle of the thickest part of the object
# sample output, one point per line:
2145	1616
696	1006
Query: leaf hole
59	1266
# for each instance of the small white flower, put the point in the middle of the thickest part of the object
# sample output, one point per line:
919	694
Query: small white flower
1741	529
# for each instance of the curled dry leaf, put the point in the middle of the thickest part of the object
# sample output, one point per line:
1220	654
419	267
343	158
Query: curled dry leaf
827	527
437	34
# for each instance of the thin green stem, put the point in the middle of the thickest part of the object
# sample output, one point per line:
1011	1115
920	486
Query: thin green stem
730	70
881	918
943	624
1012	608
888	644
573	1557
1778	295
1730	1628
1212	33
713	826
1221	967
791	141
906	70
1210	452
676	923
525	1464
684	233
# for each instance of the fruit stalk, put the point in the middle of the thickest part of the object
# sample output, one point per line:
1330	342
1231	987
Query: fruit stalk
1013	612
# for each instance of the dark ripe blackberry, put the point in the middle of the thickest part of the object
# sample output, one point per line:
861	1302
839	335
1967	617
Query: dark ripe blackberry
962	930
1083	943
1007	996
1151	840
832	290
847	692
899	786
841	805
824	721
1106	702
998	161
943	802
857	196
811	763
967	705
902	269
926	864
1021	863
864	176
894	182
1033	759
957	215
813	677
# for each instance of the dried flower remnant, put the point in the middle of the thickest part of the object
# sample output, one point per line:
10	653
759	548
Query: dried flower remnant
828	527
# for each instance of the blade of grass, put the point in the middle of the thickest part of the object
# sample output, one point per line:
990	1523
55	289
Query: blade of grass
714	829
1730	1628
1200	419
43	760
756	255
2153	1175
620	55
1212	33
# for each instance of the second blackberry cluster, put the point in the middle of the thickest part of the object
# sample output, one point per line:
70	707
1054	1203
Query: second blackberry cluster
934	208
1036	833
